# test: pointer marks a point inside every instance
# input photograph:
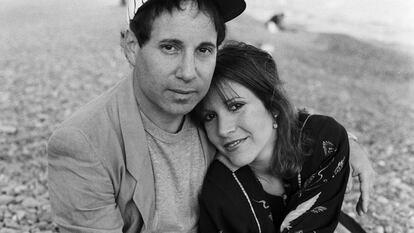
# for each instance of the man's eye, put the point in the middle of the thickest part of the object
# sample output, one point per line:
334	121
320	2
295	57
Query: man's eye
169	48
205	51
234	107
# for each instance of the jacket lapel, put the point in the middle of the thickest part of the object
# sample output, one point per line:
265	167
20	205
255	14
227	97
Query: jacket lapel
138	162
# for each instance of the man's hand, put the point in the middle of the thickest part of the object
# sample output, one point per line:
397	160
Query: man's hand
361	167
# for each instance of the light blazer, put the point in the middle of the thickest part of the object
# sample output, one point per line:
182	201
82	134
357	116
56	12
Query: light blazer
100	172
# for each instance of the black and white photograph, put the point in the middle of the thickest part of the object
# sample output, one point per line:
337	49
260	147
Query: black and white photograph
206	116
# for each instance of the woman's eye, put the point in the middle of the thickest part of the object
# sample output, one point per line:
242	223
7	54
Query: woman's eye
235	107
209	117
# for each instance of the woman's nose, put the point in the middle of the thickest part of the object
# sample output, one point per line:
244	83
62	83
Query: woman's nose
226	126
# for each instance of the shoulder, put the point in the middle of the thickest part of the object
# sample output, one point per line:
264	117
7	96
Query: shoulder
94	129
217	174
329	140
99	109
91	120
320	123
321	127
220	180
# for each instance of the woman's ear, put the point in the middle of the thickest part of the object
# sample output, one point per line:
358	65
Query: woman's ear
274	113
129	45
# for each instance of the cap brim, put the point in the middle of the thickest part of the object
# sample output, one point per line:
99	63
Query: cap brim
230	9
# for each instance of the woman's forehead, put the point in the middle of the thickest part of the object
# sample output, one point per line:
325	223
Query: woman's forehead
226	90
219	92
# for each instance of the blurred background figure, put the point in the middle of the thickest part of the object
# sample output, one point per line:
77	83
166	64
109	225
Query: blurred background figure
384	20
275	23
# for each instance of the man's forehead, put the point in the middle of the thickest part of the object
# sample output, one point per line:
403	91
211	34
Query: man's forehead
189	8
184	24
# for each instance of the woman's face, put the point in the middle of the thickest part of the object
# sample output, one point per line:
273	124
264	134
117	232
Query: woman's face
240	126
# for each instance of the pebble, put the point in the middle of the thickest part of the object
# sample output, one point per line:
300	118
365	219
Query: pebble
8	129
32	217
395	182
352	214
8	230
411	222
20	214
5	199
379	229
388	229
4	179
45	216
30	202
382	200
381	163
11	224
19	189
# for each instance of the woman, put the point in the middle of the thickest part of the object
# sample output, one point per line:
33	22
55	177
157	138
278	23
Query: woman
276	169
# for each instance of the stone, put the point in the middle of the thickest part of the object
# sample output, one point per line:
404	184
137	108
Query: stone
379	229
20	214
30	202
11	224
382	200
8	230
19	189
381	163
388	229
8	129
395	182
5	199
411	222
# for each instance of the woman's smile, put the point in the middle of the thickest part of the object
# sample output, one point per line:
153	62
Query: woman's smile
233	145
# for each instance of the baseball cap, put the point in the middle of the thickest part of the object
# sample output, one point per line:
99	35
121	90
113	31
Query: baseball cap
229	9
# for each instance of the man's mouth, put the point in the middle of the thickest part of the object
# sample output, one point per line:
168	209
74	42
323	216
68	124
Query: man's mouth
230	146
183	91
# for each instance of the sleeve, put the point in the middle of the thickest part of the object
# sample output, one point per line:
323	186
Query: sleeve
317	204
81	192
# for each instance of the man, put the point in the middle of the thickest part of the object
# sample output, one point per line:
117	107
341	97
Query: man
130	160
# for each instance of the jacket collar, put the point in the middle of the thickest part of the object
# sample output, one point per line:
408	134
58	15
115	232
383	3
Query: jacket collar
137	159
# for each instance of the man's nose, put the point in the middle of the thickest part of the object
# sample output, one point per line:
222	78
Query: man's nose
226	126
187	68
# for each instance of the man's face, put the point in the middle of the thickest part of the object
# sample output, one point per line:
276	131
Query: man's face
173	69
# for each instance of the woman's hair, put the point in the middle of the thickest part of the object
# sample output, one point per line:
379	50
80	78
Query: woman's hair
141	24
256	70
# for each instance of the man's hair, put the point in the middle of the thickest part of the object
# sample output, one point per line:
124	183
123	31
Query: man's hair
141	24
256	70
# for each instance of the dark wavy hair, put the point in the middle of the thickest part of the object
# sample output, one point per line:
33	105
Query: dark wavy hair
141	24
256	70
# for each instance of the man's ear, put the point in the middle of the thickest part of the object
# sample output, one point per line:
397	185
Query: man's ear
129	45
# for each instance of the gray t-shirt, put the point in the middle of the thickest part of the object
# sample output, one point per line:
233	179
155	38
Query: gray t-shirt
179	168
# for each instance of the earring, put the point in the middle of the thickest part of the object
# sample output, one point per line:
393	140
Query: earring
275	123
